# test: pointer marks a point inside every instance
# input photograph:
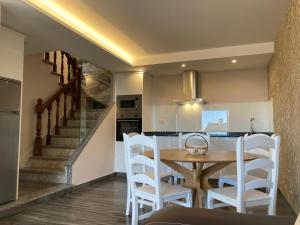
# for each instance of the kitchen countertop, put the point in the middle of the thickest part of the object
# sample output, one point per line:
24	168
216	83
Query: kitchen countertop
225	134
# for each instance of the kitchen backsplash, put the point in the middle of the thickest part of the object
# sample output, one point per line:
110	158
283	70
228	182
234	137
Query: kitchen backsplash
229	117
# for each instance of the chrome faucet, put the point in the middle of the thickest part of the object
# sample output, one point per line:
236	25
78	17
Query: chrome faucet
251	125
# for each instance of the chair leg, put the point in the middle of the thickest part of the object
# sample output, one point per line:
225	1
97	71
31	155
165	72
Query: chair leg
134	218
189	200
175	179
204	197
221	183
272	209
128	203
210	202
241	209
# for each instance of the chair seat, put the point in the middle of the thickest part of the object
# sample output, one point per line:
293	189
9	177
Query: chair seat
232	179
230	194
162	174
167	190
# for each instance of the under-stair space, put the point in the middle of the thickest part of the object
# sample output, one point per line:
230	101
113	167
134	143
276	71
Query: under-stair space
74	118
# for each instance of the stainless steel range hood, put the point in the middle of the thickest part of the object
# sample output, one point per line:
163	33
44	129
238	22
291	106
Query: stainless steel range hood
191	89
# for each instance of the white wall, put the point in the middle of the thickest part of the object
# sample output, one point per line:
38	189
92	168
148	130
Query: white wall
129	83
97	158
188	117
11	54
244	93
126	84
11	59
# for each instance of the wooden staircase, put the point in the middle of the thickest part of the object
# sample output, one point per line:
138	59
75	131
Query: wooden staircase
52	151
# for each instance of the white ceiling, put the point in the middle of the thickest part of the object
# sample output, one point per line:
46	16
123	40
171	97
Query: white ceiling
211	65
156	32
166	26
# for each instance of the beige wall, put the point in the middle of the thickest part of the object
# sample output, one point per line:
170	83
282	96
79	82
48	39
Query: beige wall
244	93
129	83
284	76
38	83
97	158
11	54
235	86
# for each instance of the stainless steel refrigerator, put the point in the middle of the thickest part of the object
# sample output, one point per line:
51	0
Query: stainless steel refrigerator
10	96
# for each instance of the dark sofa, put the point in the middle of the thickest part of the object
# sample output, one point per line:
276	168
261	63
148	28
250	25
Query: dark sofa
192	216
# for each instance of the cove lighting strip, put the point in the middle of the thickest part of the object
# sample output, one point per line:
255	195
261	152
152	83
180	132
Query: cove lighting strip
66	18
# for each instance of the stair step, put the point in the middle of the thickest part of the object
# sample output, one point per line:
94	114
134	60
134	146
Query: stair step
43	175
57	151
89	114
46	157
42	171
82	123
56	74
47	162
48	62
72	131
59	147
69	141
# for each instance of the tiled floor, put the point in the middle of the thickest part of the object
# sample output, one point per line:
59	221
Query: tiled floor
30	192
102	203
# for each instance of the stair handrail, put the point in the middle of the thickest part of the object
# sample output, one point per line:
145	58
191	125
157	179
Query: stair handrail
73	86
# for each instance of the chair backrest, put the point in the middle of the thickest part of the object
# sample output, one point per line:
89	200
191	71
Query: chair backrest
184	137
257	141
259	152
139	177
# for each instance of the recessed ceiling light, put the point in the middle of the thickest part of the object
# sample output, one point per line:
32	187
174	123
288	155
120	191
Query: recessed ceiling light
183	65
234	61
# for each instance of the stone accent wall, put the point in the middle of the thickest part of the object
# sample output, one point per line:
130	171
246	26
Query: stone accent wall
284	89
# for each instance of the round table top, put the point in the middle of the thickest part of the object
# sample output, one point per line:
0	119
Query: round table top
212	156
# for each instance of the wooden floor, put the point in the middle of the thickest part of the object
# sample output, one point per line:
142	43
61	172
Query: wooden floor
99	204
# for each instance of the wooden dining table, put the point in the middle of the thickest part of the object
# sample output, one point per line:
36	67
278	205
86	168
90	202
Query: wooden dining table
197	177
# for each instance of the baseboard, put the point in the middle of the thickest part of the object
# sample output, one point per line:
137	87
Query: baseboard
91	182
120	174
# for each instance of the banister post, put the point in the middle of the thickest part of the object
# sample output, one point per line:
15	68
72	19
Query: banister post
38	143
65	109
48	138
54	63
78	98
62	77
47	56
57	116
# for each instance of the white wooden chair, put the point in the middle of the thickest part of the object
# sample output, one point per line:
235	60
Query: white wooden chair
147	190
181	143
260	153
137	150
245	194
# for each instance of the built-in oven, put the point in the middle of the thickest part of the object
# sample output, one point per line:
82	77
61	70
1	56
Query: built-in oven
128	126
129	115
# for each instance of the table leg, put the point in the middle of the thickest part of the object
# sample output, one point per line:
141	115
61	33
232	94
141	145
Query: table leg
208	172
197	178
197	170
